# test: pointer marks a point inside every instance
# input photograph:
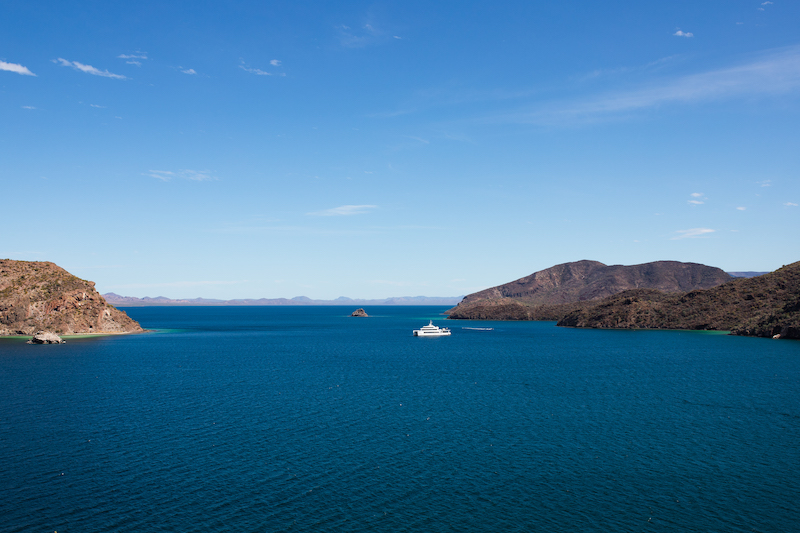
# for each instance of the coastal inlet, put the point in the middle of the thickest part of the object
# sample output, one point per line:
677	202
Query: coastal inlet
303	419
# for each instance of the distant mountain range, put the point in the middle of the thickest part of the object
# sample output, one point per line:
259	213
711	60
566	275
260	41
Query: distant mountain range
748	274
132	301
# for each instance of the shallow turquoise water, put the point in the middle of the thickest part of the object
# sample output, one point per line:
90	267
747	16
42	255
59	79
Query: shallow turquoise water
303	419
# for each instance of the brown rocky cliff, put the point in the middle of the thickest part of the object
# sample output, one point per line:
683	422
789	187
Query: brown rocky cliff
550	293
763	306
43	296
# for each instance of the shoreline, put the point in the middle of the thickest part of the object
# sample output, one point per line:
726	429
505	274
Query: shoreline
82	335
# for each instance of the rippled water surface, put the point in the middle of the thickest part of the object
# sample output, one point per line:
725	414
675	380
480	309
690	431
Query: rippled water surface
303	419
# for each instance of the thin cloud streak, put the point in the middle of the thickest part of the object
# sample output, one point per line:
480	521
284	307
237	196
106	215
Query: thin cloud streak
258	71
293	231
15	67
191	175
88	69
692	233
776	72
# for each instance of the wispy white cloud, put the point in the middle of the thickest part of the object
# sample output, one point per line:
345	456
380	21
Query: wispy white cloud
28	107
697	198
97	106
650	66
88	69
765	183
367	34
15	67
344	210
775	72
275	62
691	233
258	71
790	204
766	3
133	59
188	70
741	208
680	33
137	55
191	175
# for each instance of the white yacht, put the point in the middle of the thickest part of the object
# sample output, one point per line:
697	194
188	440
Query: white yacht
431	331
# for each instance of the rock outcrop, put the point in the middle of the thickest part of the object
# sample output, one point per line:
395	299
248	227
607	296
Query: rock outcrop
359	312
763	306
41	296
46	337
553	293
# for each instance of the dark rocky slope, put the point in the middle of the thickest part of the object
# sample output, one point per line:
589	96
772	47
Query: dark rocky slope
762	306
552	293
38	296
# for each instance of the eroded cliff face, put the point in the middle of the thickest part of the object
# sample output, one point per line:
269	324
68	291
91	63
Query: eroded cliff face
763	306
552	293
43	296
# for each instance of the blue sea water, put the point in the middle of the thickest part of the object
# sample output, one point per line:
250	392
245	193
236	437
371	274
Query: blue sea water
261	419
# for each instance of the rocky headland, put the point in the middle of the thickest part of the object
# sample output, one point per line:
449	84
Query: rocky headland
553	293
41	296
762	306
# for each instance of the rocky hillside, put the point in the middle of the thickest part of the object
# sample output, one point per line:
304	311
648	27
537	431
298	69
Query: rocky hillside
552	293
43	296
762	306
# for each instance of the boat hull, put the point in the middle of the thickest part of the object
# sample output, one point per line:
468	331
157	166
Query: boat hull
418	333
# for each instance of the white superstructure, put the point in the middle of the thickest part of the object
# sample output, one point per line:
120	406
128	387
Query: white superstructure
431	331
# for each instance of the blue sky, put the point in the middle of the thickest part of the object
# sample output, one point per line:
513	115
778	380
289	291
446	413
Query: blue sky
374	149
